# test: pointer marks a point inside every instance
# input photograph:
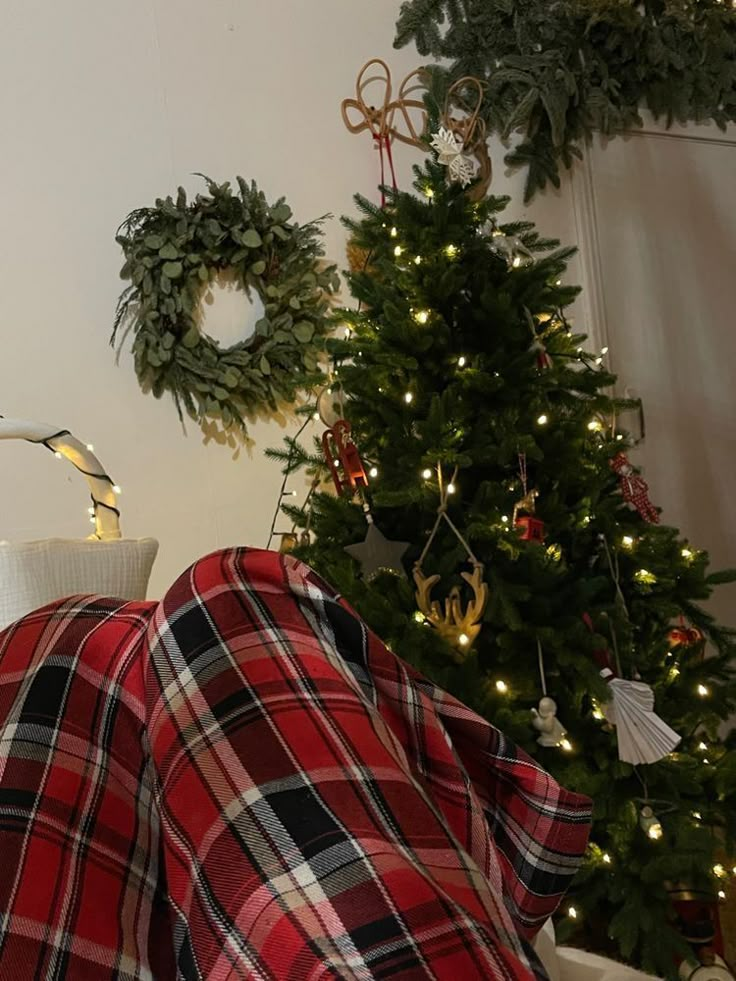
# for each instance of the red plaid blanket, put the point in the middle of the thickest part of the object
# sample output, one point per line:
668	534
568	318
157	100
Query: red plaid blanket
242	782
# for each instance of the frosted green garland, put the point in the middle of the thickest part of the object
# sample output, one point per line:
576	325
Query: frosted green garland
559	71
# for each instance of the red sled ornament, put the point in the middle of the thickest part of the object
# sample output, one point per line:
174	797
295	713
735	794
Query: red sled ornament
343	458
634	489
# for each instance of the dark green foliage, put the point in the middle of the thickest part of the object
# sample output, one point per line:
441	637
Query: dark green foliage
556	72
174	250
478	418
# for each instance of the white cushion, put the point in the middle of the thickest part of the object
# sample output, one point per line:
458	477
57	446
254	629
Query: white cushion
33	574
579	965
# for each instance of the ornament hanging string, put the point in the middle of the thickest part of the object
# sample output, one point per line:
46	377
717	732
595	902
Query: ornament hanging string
443	515
384	140
540	658
522	472
614	570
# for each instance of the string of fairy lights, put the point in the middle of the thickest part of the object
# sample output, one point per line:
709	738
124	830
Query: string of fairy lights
65	446
603	431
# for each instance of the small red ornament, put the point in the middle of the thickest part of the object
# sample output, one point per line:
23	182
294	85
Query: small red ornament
544	361
684	636
531	529
341	454
634	488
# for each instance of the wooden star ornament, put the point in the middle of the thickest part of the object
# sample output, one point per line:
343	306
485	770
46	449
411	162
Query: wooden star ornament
376	553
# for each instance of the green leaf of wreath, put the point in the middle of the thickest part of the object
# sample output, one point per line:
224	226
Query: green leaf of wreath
174	250
252	239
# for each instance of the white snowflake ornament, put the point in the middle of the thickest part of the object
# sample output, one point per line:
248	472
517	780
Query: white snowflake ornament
450	154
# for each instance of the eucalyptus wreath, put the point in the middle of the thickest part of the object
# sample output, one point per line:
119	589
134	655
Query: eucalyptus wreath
173	252
558	70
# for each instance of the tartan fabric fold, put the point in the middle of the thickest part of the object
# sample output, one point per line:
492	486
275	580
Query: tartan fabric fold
241	781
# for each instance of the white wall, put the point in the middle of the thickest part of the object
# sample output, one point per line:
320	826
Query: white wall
104	107
659	228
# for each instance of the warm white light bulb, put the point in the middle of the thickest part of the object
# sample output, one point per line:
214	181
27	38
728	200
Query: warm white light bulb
408	397
718	870
572	912
426	473
116	489
501	686
702	691
686	553
606	858
90	447
57	455
655	831
429	192
417	260
566	745
461	362
464	640
505	518
516	261
90	510
697	815
394	233
92	521
627	541
542	420
421	316
397	251
451	250
702	746
451	488
721	894
604	350
373	472
595	425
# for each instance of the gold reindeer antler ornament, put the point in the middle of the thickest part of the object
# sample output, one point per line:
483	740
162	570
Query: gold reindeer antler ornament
457	624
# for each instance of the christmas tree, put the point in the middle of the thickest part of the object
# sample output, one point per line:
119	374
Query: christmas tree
495	480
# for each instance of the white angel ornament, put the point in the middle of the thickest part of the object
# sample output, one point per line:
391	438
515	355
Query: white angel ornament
545	721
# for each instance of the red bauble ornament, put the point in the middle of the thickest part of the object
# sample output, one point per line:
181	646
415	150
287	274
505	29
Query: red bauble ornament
530	529
684	635
343	458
